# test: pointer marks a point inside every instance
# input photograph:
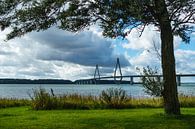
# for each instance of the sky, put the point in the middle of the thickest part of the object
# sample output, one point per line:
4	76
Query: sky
58	54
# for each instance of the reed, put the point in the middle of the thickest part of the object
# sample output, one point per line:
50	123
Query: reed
13	102
147	102
114	98
108	99
187	100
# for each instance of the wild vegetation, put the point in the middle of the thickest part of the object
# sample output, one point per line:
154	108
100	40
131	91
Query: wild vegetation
5	102
108	99
151	82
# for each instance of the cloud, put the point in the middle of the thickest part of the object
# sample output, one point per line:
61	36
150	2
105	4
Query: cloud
57	54
85	48
149	36
185	61
147	55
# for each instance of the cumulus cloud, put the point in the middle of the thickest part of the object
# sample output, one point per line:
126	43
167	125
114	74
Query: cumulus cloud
148	55
147	47
149	36
85	48
185	61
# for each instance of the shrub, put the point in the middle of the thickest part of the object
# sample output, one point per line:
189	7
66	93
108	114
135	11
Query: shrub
152	85
43	100
113	98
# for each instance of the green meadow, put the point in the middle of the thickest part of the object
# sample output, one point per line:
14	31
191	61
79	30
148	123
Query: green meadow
147	118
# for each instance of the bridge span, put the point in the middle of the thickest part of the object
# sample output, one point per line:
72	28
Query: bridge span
118	79
131	79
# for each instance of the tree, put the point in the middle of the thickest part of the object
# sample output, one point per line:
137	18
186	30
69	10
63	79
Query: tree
115	17
151	81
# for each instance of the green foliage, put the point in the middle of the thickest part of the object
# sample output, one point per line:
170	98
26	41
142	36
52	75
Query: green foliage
114	98
151	82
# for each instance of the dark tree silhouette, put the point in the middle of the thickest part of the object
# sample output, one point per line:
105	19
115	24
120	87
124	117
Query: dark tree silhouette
115	17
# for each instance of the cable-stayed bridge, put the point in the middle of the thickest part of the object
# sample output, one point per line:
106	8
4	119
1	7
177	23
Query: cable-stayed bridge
118	79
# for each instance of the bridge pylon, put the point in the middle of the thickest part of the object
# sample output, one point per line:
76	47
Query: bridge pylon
118	66
97	73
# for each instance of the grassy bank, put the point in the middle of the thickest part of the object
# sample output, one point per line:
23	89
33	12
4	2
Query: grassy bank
25	118
90	102
108	99
12	102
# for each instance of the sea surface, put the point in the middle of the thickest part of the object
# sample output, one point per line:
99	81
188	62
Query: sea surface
22	91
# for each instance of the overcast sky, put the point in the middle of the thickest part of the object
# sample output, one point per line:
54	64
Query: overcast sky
59	54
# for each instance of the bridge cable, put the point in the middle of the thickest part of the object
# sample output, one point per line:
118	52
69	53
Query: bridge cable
120	72
97	73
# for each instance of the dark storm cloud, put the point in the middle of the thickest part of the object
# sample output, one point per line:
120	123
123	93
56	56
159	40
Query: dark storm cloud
85	48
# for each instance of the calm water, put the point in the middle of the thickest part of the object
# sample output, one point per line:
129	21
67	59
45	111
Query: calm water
22	90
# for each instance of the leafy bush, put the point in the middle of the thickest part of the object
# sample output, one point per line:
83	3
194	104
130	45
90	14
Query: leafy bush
114	98
151	82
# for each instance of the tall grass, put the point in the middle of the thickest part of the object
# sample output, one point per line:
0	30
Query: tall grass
12	102
114	98
187	101
43	100
110	98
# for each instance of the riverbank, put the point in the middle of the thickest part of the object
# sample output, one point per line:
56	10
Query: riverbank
25	118
89	102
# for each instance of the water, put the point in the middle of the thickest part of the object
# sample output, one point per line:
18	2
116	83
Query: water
22	90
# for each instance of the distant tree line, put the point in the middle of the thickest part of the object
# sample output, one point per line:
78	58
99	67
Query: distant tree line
37	81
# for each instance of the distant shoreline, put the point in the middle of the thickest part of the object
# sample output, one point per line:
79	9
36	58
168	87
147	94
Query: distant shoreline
62	81
36	81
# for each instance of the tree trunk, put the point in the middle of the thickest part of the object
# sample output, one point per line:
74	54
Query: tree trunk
170	94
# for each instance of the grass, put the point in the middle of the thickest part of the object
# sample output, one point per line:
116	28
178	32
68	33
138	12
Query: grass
108	99
12	102
76	101
147	118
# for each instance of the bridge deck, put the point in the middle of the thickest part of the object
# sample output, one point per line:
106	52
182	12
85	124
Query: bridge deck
179	75
131	81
